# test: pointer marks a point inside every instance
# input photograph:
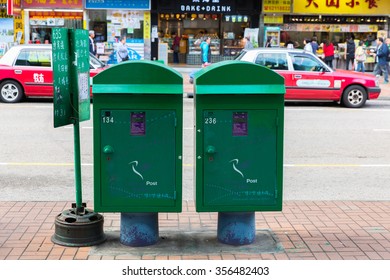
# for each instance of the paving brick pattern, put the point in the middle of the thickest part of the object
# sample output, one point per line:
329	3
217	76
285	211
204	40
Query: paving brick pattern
320	230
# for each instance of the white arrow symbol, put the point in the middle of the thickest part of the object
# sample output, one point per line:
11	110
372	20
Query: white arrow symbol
133	164
235	161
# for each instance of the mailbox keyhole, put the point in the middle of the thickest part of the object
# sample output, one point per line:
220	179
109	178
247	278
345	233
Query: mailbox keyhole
211	158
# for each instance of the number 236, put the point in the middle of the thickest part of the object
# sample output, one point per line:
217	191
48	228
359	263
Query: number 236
210	120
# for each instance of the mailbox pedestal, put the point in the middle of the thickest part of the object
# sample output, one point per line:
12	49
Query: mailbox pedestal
138	116
239	112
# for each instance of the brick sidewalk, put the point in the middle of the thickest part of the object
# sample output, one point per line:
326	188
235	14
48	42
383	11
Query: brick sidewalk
319	230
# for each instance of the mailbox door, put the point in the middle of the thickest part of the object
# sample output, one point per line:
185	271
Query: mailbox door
138	159
239	156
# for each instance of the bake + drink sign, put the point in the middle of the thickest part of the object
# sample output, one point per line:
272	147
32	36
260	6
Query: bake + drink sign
207	6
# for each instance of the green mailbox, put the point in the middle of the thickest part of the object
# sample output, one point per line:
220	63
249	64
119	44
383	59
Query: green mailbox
137	117
239	112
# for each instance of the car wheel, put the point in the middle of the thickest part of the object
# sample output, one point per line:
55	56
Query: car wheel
10	92
354	96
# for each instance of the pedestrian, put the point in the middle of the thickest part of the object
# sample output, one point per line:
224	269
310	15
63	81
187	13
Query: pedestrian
328	51
248	44
382	52
314	45
360	56
122	53
307	46
349	55
175	47
92	47
268	43
388	57
205	51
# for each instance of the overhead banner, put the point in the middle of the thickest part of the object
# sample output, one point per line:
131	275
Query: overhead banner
342	7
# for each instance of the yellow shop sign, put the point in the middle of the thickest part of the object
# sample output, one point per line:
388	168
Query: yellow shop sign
342	7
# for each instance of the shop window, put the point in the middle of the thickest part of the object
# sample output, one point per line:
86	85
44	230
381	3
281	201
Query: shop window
274	61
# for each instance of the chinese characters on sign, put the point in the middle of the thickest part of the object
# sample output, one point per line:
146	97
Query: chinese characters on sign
61	100
277	6
363	7
75	4
80	73
336	3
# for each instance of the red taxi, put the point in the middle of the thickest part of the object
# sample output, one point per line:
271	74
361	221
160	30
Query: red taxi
26	71
308	78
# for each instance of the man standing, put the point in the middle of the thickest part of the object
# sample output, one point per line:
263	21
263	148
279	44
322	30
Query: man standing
382	52
205	51
349	55
92	47
314	45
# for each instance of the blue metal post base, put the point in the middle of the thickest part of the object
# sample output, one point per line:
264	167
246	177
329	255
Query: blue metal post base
236	228
139	229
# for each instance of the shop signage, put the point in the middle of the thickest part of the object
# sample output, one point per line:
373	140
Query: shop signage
37	15
273	19
277	6
347	28
207	6
335	7
118	4
52	4
13	7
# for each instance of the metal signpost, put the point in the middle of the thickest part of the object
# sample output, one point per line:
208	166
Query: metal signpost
77	226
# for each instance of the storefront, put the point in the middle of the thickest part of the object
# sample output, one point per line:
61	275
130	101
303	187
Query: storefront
334	21
41	16
111	20
41	24
225	21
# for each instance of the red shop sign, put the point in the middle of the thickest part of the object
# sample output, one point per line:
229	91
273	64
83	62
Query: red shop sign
52	4
13	7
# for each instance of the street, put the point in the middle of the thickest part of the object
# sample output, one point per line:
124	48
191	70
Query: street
330	153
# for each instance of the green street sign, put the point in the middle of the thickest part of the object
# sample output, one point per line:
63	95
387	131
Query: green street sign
80	73
71	76
61	61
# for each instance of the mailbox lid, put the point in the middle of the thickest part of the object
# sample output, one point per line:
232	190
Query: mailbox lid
138	77
238	77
